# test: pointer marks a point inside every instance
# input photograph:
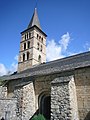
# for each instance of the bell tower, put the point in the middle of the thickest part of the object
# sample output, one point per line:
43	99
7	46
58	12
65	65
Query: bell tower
32	45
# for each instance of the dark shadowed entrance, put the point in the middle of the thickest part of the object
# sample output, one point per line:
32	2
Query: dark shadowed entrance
45	106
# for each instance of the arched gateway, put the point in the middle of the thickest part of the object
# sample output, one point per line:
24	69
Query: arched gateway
45	105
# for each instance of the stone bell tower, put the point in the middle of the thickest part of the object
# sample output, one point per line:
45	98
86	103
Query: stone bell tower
32	45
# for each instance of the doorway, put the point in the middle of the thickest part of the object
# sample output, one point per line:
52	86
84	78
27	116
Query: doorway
45	106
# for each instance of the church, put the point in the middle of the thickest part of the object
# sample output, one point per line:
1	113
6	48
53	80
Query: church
59	90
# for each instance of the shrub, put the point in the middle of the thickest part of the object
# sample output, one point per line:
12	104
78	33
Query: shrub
38	117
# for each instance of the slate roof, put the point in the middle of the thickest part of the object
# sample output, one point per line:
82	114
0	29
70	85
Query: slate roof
57	66
34	20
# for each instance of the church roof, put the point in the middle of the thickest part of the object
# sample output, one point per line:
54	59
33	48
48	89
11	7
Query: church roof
34	20
61	65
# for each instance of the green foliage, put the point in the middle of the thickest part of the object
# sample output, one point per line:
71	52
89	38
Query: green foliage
38	117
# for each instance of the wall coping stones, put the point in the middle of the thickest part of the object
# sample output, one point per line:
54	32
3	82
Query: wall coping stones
60	80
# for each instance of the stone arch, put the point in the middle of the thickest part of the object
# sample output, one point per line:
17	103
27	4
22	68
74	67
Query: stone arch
44	104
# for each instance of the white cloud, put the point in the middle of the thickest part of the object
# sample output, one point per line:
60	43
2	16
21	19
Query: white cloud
12	69
65	39
55	50
3	69
87	46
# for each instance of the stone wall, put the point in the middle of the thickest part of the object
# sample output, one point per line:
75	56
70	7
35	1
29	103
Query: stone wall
73	99
8	107
42	85
28	103
61	95
3	92
18	93
82	81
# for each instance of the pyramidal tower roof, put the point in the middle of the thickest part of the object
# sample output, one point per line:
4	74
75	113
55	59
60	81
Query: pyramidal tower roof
34	20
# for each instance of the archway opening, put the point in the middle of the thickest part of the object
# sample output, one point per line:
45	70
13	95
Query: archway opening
45	106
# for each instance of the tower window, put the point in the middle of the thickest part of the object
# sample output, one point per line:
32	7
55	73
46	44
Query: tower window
37	36
24	46
29	35
25	36
28	44
28	54
39	58
23	57
42	40
37	46
41	48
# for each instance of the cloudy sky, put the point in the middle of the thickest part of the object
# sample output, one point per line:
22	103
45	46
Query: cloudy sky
66	22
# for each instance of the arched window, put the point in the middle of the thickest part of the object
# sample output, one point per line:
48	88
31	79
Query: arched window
28	54
25	36
39	58
24	46
41	48
37	36
28	44
42	40
29	35
23	57
37	46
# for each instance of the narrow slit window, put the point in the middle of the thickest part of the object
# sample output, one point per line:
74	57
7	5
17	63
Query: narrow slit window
28	44
28	54
25	36
41	48
42	40
24	46
37	46
23	57
39	58
29	35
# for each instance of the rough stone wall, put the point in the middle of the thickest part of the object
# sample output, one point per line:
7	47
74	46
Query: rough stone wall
61	95
42	85
82	81
3	92
73	100
18	93
8	107
28	103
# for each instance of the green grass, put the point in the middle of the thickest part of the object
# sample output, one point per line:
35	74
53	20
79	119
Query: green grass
38	117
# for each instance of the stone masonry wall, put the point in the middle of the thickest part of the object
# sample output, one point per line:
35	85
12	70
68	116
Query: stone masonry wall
28	103
42	85
73	99
18	93
82	81
8	107
61	106
3	92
